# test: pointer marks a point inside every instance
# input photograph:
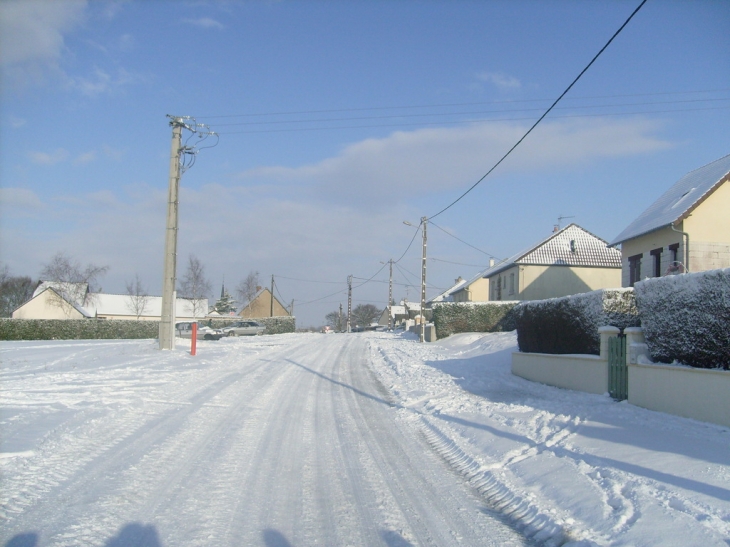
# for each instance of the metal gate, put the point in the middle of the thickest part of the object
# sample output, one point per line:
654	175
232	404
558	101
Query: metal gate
618	371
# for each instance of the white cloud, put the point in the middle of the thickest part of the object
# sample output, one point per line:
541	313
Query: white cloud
427	161
500	80
16	199
15	123
86	157
101	81
52	158
204	22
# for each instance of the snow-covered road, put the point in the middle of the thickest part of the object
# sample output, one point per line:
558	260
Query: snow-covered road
275	441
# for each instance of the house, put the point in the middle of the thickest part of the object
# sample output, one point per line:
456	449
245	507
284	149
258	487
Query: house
569	261
54	300
686	229
264	304
51	302
448	294
475	289
398	315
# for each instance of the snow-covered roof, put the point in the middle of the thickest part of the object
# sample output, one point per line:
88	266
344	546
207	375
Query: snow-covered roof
571	246
446	295
679	201
120	304
75	291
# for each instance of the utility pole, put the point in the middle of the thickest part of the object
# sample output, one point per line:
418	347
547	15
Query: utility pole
291	310
339	319
424	222
349	303
272	296
167	316
390	296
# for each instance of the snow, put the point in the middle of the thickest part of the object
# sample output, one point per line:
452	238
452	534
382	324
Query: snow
360	439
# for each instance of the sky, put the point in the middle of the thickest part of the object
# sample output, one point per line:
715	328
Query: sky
336	123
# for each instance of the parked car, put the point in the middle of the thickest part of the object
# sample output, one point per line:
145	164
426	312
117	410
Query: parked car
243	328
185	330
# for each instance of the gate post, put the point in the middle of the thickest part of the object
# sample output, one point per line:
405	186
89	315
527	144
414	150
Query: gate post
606	333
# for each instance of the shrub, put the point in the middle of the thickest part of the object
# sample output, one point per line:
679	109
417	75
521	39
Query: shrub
570	324
686	318
454	317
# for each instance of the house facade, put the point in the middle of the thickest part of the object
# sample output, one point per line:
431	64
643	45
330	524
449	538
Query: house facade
569	261
475	289
686	230
264	304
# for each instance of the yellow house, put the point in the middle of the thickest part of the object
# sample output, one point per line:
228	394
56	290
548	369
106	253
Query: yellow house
475	289
264	304
570	261
686	230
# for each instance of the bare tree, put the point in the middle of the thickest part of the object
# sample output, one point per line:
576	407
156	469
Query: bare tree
71	283
14	291
138	298
248	288
195	287
364	314
336	320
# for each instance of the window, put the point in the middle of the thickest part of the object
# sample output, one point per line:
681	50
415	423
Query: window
634	269
656	255
512	283
675	265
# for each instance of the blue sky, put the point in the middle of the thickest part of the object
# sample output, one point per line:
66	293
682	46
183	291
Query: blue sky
337	122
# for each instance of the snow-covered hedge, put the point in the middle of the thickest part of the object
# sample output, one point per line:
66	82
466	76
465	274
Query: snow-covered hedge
455	317
76	329
686	318
274	325
570	324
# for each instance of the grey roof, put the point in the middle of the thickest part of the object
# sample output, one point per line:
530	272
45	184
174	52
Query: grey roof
679	201
571	246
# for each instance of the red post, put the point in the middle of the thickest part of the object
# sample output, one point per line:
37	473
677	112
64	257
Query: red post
194	339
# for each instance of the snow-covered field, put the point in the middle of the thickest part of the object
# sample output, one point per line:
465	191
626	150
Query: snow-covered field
363	439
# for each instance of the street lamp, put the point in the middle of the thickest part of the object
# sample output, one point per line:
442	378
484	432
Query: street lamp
424	222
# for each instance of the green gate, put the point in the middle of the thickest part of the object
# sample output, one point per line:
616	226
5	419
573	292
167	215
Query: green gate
618	371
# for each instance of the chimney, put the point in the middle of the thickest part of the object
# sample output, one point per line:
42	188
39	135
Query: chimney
556	228
491	262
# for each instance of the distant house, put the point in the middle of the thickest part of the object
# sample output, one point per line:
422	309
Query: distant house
569	261
53	300
475	289
686	229
261	306
398	314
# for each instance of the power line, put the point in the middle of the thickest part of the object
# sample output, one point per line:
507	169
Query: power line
424	114
461	240
449	105
545	114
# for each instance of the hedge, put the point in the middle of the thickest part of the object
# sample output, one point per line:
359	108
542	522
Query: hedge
686	318
570	324
455	317
76	329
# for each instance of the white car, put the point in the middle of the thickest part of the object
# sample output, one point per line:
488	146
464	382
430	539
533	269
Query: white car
185	330
244	328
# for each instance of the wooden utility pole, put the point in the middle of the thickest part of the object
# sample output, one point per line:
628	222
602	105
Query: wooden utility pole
390	296
167	316
272	296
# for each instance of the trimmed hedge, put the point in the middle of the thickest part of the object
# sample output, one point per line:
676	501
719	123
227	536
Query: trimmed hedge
76	329
274	325
686	318
455	317
570	324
